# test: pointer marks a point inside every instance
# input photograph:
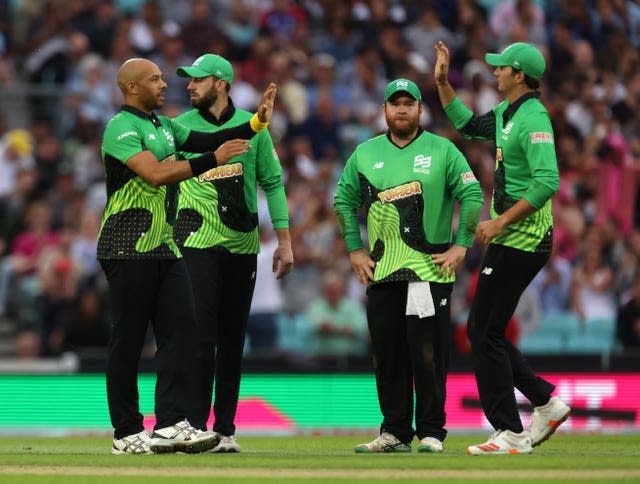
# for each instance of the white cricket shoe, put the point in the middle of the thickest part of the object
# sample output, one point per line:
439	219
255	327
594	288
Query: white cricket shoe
504	442
181	437
227	444
430	444
385	442
547	418
132	444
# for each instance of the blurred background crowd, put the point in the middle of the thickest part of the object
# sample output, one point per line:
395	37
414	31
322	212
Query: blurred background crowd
331	60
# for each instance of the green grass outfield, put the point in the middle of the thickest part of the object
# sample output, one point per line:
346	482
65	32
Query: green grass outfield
564	458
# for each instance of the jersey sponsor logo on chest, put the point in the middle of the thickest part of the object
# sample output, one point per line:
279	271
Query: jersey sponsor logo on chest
422	164
220	172
506	130
401	191
167	135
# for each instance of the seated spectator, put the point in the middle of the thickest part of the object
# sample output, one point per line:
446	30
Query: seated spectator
628	321
338	324
58	290
592	287
19	271
552	284
16	148
266	305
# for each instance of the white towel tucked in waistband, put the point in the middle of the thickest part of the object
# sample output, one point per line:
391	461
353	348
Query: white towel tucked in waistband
419	300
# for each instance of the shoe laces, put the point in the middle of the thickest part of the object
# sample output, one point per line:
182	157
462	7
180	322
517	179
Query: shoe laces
494	436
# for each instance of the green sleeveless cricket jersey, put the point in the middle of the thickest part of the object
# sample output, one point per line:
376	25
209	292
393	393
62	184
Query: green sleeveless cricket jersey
219	208
526	165
409	196
136	222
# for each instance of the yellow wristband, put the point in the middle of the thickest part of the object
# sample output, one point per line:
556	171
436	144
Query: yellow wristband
256	124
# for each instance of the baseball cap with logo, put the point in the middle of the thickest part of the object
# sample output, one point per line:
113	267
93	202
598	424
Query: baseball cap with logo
208	65
522	56
402	85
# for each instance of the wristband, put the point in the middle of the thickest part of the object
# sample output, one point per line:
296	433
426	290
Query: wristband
256	124
203	163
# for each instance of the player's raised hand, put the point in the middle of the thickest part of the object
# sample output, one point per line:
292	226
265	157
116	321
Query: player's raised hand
441	69
231	148
265	108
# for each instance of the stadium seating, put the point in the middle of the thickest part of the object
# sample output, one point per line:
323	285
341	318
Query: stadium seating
565	333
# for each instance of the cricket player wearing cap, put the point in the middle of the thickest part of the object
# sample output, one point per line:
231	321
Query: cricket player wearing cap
519	237
217	232
408	181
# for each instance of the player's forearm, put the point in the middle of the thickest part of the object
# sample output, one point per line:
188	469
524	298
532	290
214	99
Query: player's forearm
446	93
519	211
284	237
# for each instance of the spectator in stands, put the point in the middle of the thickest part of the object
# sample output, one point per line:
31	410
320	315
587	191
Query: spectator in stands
16	148
59	276
591	287
628	320
338	324
552	284
266	305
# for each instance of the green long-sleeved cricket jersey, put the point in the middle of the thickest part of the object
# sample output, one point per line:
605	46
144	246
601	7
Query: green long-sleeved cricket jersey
526	165
219	207
409	196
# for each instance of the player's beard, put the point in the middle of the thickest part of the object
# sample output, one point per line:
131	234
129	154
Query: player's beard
204	102
405	128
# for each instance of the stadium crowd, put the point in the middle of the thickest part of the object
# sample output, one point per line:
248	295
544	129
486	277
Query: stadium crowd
331	60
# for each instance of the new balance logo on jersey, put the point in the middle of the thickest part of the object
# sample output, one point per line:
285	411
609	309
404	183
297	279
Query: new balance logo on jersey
378	165
487	270
152	136
421	164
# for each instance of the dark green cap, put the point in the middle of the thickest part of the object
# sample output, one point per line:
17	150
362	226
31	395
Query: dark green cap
522	56
402	85
208	65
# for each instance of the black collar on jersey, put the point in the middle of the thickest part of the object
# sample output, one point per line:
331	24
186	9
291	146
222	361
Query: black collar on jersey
141	114
226	115
418	133
511	110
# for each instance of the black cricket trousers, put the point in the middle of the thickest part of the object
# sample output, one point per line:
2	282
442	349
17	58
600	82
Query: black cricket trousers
155	291
499	366
407	352
223	286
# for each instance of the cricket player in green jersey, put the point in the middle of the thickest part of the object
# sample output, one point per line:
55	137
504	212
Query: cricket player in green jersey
519	234
147	277
408	181
217	232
